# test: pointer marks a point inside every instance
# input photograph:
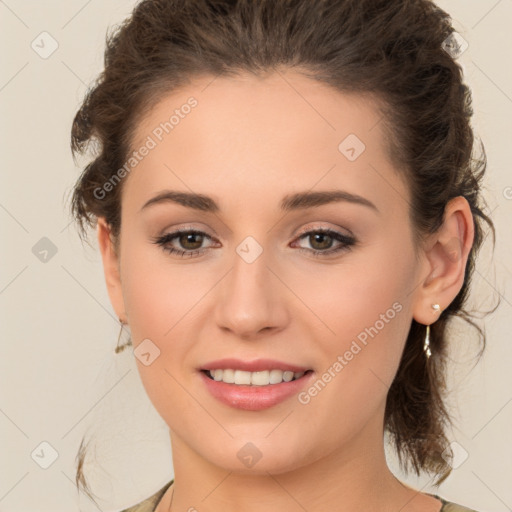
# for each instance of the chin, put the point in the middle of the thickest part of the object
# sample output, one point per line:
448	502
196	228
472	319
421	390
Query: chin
258	457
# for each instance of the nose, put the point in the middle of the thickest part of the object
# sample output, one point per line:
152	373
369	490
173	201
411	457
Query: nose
251	300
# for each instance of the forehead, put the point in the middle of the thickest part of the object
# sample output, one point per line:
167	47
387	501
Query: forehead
283	99
261	136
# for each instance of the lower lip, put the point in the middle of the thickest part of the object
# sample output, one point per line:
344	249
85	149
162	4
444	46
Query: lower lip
254	398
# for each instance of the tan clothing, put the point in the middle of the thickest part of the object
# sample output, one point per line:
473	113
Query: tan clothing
149	504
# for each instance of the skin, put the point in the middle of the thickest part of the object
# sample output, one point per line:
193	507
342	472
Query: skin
248	143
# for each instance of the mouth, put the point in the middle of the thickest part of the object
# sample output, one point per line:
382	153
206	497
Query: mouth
269	377
254	385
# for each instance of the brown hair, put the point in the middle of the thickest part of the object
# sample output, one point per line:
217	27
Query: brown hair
391	49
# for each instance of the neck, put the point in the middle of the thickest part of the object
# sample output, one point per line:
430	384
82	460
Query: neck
353	477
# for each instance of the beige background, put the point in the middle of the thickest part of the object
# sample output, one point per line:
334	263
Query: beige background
59	375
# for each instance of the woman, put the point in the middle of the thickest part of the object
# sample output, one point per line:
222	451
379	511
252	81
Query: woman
288	214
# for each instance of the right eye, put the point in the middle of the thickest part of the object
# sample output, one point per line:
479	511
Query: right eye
186	237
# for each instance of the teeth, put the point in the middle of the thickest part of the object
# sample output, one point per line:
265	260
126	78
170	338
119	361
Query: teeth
241	377
259	378
287	376
262	378
228	376
276	376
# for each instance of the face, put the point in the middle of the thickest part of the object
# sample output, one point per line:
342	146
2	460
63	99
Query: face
268	274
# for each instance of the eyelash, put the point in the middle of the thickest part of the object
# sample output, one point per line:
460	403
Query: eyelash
346	242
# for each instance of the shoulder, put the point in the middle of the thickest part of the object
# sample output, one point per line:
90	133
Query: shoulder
455	507
149	504
449	506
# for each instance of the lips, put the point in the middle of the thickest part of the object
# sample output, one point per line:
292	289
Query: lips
254	385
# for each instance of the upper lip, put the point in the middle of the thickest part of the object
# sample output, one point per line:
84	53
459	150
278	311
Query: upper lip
256	365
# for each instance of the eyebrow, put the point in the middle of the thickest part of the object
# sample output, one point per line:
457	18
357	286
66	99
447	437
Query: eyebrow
291	202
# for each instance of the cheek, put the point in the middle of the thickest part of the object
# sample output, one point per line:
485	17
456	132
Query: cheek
159	298
370	313
367	295
160	293
363	310
162	298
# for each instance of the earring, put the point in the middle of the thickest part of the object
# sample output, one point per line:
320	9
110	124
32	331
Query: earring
120	348
426	345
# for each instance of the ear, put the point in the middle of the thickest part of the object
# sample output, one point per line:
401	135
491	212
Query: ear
111	268
445	258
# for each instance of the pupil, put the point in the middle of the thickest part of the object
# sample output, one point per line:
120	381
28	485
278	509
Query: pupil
323	236
184	240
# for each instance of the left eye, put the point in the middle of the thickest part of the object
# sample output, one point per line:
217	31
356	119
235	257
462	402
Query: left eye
191	240
320	236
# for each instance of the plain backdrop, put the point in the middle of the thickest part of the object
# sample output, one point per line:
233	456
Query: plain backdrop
60	378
